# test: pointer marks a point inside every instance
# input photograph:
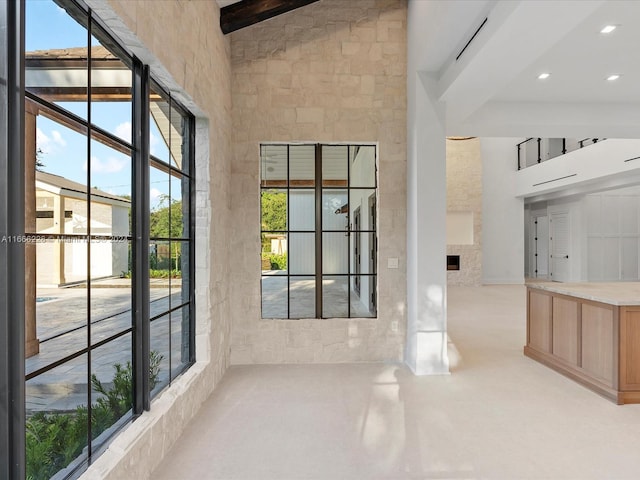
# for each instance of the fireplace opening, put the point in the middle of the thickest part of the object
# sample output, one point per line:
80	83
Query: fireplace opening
453	262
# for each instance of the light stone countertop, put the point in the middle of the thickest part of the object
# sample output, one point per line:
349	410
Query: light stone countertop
612	293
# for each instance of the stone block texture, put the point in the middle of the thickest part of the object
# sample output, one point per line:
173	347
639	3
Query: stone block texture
464	194
330	72
186	51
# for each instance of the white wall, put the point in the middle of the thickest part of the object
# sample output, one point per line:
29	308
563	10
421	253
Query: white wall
107	258
502	213
426	347
604	234
576	172
119	249
612	235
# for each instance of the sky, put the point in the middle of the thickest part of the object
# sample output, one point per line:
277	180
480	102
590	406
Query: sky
63	151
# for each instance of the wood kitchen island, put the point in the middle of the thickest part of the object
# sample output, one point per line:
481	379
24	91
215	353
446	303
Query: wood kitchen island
589	332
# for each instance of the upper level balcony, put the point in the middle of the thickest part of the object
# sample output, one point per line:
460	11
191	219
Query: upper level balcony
537	150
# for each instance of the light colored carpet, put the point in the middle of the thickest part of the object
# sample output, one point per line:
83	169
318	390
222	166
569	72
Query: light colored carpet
499	415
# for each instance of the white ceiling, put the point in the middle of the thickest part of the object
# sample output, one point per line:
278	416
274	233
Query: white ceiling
493	90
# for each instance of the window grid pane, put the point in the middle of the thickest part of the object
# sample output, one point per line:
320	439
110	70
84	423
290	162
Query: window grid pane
79	197
324	213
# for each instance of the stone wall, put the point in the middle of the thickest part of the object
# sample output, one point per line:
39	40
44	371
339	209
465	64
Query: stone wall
334	71
183	45
464	194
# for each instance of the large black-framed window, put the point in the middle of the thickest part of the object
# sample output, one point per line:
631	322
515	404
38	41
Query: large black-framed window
97	226
318	230
11	253
171	226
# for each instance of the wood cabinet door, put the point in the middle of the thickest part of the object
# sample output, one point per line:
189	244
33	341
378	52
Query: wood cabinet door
566	330
599	335
630	349
539	333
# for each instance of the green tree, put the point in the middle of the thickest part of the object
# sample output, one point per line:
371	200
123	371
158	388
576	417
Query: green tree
39	163
165	221
159	225
274	218
274	210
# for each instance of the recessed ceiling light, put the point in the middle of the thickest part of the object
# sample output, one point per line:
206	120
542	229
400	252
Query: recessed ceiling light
543	76
608	29
613	77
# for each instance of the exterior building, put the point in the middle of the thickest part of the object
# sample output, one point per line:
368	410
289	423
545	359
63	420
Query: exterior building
61	264
188	114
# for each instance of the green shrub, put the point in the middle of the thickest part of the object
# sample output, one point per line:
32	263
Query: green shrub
157	274
278	261
165	274
53	440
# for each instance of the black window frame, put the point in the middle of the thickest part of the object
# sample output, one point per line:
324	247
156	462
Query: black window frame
187	171
13	96
319	230
12	389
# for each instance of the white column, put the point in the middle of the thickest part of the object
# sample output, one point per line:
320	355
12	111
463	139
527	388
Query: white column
502	241
426	352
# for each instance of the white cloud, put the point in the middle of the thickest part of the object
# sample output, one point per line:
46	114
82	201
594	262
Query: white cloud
110	165
49	144
153	143
42	141
124	131
154	195
58	138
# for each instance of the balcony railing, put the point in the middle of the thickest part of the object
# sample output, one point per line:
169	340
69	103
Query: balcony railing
537	150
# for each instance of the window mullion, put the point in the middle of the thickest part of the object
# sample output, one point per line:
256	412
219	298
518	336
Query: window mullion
192	236
318	228
12	257
140	234
288	227
349	246
88	237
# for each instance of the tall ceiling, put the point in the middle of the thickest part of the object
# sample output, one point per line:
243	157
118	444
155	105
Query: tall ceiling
235	15
493	88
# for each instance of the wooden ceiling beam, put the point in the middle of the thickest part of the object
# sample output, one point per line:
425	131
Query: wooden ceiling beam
248	12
